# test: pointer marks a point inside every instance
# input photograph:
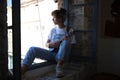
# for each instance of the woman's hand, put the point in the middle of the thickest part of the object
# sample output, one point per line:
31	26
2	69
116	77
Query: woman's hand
64	38
54	44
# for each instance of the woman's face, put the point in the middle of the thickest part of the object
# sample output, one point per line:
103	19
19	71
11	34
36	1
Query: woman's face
57	20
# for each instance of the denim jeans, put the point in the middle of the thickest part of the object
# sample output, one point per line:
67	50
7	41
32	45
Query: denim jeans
35	52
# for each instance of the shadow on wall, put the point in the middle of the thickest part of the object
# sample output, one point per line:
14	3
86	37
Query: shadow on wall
112	27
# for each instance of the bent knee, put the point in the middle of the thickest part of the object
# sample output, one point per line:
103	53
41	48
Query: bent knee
33	48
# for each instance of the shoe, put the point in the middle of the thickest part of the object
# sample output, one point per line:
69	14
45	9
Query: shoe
59	71
23	76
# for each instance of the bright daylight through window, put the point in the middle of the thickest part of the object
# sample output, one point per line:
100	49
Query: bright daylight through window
36	22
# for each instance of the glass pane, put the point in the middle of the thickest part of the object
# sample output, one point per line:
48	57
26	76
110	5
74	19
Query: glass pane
9	23
10	52
81	18
9	12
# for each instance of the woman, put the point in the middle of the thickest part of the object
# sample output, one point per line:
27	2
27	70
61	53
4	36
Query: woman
59	43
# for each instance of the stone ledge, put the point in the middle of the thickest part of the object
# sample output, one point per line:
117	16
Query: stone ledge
72	72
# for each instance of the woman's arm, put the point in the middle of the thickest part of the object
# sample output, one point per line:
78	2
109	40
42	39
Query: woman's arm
50	44
47	43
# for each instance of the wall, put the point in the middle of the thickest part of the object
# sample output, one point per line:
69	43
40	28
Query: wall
108	48
108	51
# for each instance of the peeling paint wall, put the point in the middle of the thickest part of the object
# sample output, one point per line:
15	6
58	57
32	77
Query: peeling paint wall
80	19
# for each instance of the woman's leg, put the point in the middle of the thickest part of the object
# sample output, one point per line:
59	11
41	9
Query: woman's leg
36	52
64	51
61	56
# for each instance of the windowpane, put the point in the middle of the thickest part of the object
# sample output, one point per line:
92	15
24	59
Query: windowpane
36	22
9	24
10	50
9	13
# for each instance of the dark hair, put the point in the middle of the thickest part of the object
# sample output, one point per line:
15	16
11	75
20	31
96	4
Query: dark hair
60	13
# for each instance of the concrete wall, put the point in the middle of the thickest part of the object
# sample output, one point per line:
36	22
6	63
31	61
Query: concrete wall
108	48
108	51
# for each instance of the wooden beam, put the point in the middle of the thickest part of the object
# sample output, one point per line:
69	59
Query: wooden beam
16	39
3	41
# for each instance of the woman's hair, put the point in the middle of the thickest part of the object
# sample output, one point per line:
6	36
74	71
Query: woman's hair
60	14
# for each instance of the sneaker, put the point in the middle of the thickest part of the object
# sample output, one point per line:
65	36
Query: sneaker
59	71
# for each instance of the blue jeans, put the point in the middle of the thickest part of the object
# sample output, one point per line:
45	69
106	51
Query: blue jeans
35	52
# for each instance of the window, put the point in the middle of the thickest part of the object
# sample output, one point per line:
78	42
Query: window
9	22
36	22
